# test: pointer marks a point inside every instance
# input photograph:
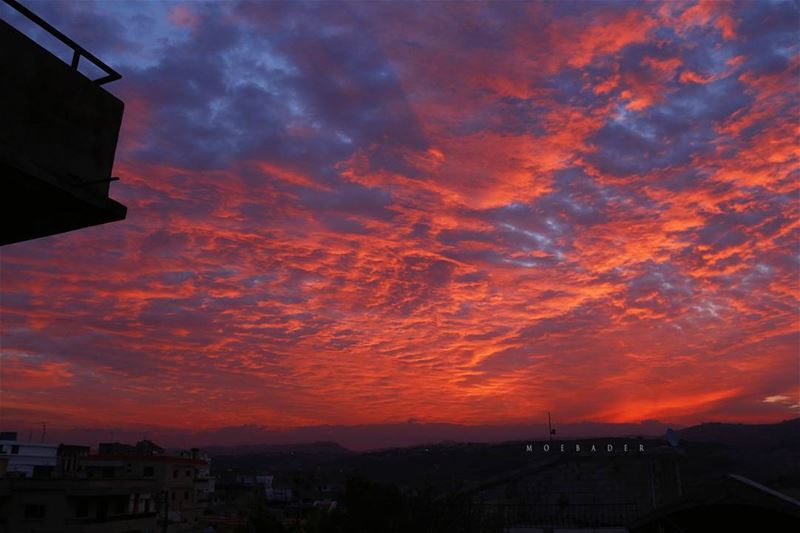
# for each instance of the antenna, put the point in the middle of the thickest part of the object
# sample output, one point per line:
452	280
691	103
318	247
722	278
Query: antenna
44	430
550	430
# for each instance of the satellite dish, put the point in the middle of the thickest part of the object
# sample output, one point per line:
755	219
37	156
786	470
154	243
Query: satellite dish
672	438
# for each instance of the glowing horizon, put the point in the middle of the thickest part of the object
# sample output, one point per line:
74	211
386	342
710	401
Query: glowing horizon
366	213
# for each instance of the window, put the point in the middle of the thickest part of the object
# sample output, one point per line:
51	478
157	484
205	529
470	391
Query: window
188	473
34	511
42	471
108	471
174	473
82	508
186	495
173	496
149	471
101	512
15	448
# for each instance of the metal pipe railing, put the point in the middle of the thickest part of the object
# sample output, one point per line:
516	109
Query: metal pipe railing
77	50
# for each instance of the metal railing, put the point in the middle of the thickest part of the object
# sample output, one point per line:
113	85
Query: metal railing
77	50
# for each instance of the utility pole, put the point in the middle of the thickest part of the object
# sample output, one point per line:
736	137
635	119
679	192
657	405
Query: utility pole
44	430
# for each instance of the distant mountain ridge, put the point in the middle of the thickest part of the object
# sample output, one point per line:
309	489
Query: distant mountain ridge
784	434
305	448
767	453
413	433
336	440
781	434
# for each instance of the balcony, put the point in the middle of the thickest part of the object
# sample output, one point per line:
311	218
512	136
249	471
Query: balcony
58	136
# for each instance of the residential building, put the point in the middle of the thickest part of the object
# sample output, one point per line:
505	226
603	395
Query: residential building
59	488
143	447
69	460
28	459
184	487
77	505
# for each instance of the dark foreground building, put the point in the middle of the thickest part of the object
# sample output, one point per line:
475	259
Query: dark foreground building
576	491
735	503
619	492
79	505
58	135
50	488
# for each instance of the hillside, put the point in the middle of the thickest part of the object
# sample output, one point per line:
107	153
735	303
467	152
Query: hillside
784	434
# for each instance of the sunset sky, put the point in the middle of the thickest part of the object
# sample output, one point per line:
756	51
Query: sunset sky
345	213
